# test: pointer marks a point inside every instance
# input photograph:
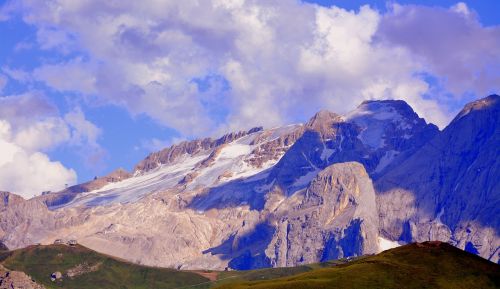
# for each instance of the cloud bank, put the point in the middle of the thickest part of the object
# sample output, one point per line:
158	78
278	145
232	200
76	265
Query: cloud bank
269	62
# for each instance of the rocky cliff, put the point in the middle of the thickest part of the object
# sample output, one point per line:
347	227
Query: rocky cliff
449	189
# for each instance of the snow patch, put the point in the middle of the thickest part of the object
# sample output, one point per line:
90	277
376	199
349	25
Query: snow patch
234	150
373	119
138	186
384	244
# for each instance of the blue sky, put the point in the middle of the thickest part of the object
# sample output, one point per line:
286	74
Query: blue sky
487	9
86	88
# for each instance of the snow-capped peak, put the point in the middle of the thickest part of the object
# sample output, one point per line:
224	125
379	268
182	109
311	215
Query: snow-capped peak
377	120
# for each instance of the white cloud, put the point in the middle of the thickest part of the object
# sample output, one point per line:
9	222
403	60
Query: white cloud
84	137
17	74
37	126
282	60
29	126
24	109
82	130
42	135
29	173
449	43
74	75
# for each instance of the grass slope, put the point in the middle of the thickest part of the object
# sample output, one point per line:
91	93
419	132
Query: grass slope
425	265
40	261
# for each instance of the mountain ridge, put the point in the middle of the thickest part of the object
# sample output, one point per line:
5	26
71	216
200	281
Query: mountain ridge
243	200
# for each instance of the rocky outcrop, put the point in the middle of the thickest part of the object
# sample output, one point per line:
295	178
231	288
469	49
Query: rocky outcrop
16	280
81	269
3	247
334	217
272	145
8	199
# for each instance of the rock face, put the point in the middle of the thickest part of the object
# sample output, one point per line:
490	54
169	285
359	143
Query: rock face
287	196
449	189
334	217
173	153
16	279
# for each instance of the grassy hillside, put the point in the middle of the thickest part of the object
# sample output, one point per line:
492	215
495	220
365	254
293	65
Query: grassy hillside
426	265
99	271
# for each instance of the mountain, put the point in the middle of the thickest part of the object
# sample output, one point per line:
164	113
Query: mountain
450	188
336	186
417	265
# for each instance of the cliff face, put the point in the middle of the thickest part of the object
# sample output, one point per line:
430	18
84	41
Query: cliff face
450	187
334	217
289	195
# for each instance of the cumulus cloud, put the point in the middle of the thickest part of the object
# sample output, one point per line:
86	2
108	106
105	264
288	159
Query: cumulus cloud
25	109
74	75
451	43
275	61
42	135
30	125
36	123
29	173
84	137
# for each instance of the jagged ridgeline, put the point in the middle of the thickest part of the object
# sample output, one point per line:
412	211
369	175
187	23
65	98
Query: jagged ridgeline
337	186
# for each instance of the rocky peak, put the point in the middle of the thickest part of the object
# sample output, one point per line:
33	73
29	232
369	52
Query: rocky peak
390	123
7	199
323	122
397	111
117	175
491	102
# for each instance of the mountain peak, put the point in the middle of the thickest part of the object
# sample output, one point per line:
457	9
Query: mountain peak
485	103
385	109
323	121
380	120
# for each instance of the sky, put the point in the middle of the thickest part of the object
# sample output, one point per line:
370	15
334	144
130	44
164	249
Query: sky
88	86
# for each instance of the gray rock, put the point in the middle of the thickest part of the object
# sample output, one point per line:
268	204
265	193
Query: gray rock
16	280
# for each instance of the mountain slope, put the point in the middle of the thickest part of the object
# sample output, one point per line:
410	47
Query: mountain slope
84	268
450	186
421	265
418	265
